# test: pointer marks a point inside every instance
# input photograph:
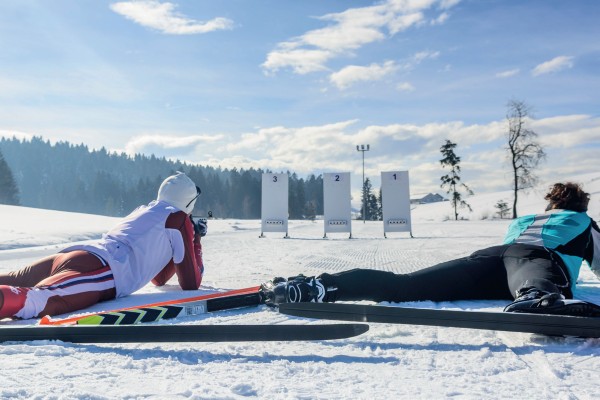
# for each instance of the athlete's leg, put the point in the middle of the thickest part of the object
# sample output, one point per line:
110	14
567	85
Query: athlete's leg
14	285
78	280
540	284
534	267
478	276
481	275
30	275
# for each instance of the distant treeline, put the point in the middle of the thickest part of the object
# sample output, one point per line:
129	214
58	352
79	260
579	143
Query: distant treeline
69	177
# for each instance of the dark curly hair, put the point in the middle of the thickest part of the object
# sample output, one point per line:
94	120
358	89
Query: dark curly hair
568	196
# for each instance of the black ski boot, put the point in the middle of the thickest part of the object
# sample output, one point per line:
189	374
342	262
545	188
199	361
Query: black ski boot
296	289
539	302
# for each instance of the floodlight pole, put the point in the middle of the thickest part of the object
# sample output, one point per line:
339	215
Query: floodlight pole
362	148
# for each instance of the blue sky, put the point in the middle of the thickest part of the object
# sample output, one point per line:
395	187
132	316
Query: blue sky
296	85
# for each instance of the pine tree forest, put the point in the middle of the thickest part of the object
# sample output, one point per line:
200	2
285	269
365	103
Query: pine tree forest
68	177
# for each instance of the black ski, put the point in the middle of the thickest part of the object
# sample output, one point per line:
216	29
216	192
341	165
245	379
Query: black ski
553	325
180	333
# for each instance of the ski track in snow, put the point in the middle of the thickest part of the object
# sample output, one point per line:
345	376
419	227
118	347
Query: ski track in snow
389	361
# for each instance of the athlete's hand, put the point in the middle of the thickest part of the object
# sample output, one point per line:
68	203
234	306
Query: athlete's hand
200	227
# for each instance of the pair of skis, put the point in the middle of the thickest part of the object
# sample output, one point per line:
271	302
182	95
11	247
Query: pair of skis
127	325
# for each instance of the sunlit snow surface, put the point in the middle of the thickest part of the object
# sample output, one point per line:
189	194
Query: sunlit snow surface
390	361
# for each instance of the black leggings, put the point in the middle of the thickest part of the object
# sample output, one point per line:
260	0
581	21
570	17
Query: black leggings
494	273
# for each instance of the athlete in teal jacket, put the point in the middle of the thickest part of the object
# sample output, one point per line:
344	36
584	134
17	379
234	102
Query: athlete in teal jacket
568	234
537	267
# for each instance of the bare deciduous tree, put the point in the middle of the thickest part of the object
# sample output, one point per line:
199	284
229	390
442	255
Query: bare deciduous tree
525	152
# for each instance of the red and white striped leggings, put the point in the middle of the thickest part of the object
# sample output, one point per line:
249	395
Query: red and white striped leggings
54	285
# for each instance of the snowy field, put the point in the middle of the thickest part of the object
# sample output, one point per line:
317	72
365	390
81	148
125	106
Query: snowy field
389	361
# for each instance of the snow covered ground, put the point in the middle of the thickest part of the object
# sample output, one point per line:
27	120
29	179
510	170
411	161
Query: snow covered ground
389	361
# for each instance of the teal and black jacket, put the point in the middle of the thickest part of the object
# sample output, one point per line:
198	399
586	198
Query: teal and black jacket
574	236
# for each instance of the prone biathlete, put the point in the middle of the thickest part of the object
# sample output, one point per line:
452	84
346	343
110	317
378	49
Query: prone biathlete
153	243
537	267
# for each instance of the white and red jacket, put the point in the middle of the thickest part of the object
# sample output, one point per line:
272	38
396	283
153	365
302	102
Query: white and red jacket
151	244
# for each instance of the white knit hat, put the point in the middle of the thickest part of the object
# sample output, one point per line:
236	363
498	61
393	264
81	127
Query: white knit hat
179	191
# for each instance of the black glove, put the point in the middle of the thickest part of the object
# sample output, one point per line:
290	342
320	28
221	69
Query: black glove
200	227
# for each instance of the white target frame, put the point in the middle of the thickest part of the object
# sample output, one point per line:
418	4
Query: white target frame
337	208
274	203
395	202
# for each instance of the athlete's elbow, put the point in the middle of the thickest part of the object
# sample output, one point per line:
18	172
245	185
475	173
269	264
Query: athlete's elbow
191	284
158	282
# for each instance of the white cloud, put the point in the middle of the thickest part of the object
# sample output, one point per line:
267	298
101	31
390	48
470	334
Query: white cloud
281	140
348	31
397	132
403	22
568	131
405	87
302	61
446	4
162	17
508	73
443	17
332	146
424	55
168	146
352	74
556	64
9	134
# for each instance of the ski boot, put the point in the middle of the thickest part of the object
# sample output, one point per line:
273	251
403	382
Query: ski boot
296	289
540	302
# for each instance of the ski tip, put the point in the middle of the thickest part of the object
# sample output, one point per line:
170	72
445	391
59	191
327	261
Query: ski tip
359	329
47	320
335	331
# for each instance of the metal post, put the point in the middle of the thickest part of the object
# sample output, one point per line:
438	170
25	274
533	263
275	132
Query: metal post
362	149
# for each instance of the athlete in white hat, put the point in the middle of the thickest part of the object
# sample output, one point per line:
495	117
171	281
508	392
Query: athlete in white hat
153	243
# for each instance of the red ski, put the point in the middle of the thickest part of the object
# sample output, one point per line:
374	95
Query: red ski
166	309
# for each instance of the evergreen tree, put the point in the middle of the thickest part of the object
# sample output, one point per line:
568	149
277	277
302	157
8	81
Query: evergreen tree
372	208
502	207
297	197
251	194
9	192
452	180
314	194
372	204
380	206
